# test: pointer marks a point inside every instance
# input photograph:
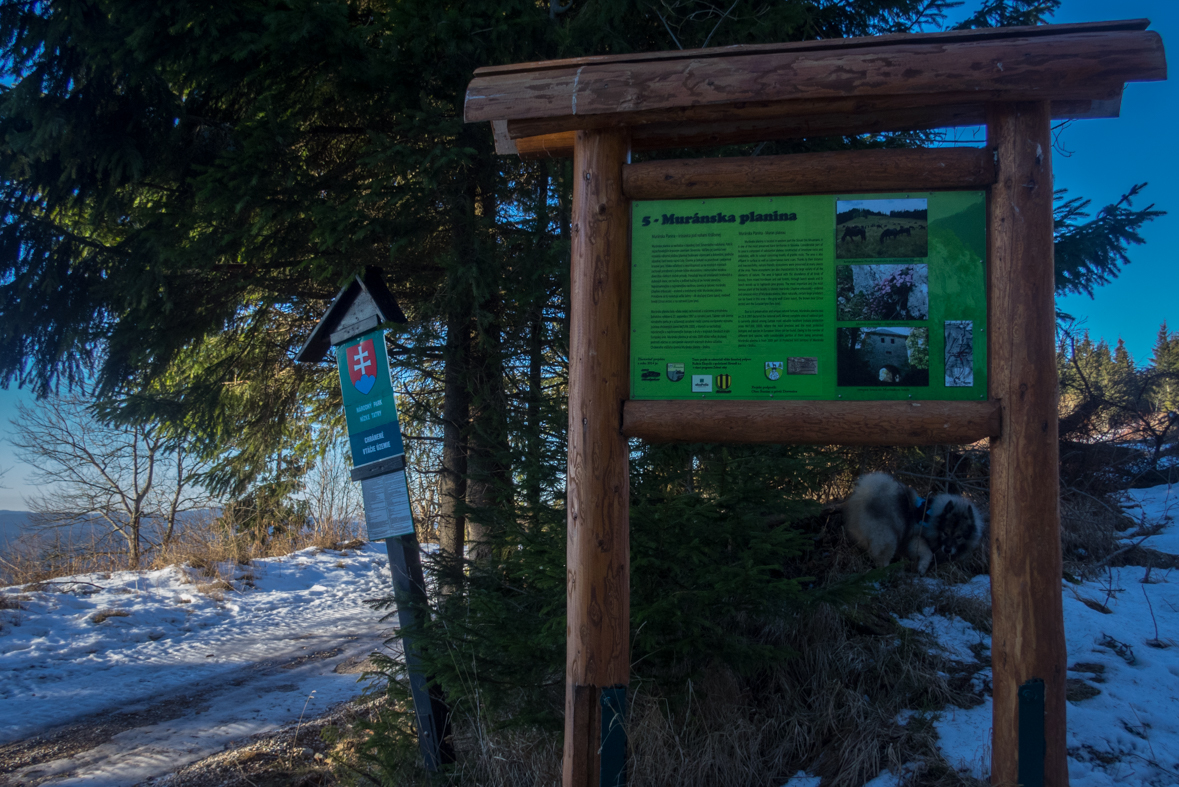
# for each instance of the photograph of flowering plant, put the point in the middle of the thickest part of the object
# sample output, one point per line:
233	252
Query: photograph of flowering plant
881	292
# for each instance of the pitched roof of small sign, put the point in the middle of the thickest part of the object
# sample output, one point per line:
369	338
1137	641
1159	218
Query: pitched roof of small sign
360	306
834	86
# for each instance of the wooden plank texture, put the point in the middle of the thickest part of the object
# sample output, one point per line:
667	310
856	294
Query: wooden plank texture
737	130
822	423
1028	619
598	552
1072	66
825	44
864	113
811	173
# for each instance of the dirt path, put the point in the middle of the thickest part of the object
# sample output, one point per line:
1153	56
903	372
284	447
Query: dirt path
128	745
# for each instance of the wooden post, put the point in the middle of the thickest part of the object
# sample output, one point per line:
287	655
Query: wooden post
1028	630
598	556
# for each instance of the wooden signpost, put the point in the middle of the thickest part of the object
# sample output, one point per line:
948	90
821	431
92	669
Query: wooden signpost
351	325
1016	81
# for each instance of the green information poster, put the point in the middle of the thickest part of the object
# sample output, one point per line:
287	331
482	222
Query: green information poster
369	407
872	296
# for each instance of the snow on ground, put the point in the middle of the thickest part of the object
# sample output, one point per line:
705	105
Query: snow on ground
1128	734
1127	658
200	666
194	669
1157	505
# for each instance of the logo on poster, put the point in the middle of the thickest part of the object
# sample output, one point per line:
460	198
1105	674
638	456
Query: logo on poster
724	383
362	366
675	372
773	370
702	383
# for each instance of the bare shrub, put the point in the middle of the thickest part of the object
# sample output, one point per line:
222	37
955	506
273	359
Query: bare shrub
1089	531
38	557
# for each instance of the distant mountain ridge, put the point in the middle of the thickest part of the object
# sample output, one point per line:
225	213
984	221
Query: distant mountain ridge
13	523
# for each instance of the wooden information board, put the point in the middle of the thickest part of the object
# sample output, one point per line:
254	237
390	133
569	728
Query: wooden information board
855	297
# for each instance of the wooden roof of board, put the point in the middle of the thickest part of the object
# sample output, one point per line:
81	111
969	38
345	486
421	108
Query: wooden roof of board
725	95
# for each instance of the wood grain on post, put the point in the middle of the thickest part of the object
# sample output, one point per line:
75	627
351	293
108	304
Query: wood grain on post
820	423
598	554
1028	629
811	173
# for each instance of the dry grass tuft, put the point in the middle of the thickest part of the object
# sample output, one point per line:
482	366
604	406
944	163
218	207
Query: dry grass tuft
833	710
1089	532
105	614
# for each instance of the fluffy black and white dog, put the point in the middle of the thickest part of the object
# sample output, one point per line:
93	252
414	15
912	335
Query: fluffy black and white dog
889	520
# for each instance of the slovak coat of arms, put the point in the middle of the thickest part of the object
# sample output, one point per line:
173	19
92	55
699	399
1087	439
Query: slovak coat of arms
362	366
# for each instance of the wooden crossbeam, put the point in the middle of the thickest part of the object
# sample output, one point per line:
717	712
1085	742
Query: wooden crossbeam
736	129
945	38
906	74
917	169
820	423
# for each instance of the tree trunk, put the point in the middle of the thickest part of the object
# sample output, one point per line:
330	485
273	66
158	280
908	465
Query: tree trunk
133	540
488	440
534	461
452	522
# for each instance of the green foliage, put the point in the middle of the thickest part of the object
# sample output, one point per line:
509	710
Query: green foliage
266	511
390	749
1091	253
1164	390
917	345
710	542
1010	13
1106	398
711	546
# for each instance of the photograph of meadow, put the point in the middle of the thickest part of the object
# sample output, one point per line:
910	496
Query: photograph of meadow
881	228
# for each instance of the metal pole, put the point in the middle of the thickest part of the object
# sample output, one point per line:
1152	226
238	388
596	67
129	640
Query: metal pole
409	589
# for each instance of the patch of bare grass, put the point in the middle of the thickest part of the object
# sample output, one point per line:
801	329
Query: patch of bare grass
106	614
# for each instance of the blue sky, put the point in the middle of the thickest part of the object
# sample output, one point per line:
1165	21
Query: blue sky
1097	159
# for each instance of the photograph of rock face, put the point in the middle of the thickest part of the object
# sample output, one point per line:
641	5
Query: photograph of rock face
882	356
959	353
881	228
881	292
